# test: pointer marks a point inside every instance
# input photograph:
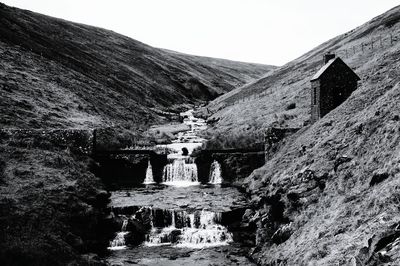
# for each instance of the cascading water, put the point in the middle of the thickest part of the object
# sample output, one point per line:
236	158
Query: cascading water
161	223
180	173
188	230
119	241
215	173
149	175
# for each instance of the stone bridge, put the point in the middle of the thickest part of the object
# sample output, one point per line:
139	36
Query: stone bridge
128	167
236	164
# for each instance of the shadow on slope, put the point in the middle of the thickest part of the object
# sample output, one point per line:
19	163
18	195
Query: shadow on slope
56	73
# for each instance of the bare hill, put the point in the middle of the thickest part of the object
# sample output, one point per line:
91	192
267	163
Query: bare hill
55	73
330	195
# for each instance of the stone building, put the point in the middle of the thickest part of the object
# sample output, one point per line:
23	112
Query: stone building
331	86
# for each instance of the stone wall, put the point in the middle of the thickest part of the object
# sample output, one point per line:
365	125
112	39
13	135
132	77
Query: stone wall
235	166
128	170
114	169
78	141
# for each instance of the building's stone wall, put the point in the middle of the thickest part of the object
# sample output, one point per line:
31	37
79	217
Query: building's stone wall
331	89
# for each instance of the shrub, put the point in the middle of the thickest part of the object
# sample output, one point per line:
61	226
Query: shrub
291	106
236	140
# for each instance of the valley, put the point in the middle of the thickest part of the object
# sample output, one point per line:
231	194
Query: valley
114	152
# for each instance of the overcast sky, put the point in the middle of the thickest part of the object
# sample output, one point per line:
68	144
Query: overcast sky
263	31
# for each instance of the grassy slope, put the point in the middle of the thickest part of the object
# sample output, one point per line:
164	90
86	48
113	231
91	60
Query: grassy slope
50	203
55	73
263	102
333	216
58	74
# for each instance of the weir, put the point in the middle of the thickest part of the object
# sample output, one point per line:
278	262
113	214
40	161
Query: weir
181	229
175	209
215	173
180	172
149	175
195	230
119	241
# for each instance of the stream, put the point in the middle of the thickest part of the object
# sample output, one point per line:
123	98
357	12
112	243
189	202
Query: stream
179	221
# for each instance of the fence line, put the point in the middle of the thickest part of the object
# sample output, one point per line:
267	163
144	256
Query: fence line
373	44
364	47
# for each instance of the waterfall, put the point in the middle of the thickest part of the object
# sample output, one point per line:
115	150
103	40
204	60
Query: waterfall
119	241
206	233
149	175
124	225
215	173
180	173
188	230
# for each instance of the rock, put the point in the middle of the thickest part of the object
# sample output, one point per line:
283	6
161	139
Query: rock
144	218
254	250
185	254
341	160
248	215
378	178
132	261
175	235
75	241
378	245
137	234
306	175
291	106
282	234
102	197
212	120
234	260
185	151
93	260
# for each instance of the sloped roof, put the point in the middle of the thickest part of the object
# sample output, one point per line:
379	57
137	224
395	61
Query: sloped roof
327	65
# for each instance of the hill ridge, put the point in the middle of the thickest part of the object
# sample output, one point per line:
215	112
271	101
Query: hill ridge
110	64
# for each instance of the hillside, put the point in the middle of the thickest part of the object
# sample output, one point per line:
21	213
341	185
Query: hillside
330	195
55	73
58	75
266	101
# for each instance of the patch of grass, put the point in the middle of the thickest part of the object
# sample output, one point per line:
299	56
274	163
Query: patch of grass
246	139
48	195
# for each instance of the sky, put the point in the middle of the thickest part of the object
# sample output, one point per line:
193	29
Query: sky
261	31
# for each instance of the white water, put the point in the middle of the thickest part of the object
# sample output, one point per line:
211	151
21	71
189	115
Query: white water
119	241
180	173
215	173
195	230
198	229
187	139
149	175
